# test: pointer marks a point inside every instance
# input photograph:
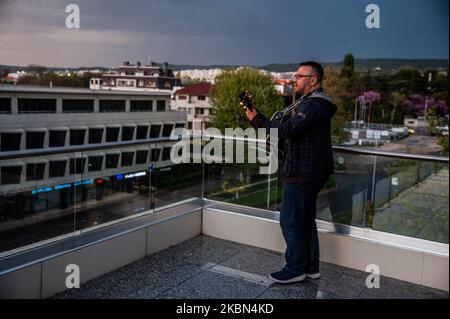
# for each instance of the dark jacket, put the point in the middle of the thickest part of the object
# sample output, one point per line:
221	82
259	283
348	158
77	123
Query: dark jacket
306	136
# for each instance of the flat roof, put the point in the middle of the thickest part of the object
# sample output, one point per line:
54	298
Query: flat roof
75	90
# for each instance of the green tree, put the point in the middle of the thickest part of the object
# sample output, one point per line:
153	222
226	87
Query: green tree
349	66
225	97
37	69
397	98
335	87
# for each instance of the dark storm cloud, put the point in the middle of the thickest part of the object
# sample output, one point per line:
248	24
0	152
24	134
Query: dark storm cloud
221	31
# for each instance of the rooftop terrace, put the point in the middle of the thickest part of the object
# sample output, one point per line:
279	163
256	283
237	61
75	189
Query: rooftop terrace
210	268
208	231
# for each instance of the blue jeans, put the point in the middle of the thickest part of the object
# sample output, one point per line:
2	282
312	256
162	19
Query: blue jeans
298	224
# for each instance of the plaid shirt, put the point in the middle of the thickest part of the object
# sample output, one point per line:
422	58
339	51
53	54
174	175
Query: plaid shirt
306	139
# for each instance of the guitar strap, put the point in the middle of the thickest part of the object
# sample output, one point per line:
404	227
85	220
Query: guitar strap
318	94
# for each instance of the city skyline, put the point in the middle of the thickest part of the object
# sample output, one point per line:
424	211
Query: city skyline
201	32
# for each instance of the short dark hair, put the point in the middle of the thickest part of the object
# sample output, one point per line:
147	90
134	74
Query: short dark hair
316	67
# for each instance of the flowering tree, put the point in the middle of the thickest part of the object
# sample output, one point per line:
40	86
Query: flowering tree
365	101
417	105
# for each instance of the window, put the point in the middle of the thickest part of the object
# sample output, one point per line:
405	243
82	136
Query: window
95	163
166	154
178	125
150	83
127	158
95	135
155	130
78	106
11	175
77	137
141	157
167	84
35	171
35	140
141	132
37	105
199	111
57	138
201	98
77	165
112	134
160	106
167	129
10	141
125	83
57	169
182	97
112	160
112	106
156	152
127	133
141	105
5	105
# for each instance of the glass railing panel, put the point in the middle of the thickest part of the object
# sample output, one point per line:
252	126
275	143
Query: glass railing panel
176	183
176	175
36	201
242	185
346	196
242	182
411	198
116	186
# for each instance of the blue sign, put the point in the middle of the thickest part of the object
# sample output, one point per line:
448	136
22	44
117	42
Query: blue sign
41	190
86	182
62	186
58	187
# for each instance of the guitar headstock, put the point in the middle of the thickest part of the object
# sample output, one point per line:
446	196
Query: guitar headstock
245	100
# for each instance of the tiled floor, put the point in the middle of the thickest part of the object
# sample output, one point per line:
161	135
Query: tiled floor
206	267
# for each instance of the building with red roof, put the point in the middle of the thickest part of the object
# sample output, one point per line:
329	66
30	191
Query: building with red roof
194	100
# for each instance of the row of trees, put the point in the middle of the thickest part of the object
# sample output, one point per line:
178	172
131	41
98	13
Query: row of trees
40	75
387	97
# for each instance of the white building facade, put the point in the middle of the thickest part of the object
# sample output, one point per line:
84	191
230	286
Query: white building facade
194	100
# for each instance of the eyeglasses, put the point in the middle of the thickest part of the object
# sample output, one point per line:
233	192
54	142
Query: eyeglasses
298	76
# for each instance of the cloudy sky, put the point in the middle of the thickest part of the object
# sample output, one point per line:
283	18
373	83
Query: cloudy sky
252	32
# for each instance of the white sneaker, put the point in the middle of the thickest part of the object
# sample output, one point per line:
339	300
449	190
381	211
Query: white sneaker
313	276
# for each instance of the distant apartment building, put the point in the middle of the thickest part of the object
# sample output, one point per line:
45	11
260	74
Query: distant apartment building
195	101
137	77
284	87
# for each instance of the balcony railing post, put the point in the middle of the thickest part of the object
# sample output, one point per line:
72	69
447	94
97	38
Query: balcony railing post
368	220
268	185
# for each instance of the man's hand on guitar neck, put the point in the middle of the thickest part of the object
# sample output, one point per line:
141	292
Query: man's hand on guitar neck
251	114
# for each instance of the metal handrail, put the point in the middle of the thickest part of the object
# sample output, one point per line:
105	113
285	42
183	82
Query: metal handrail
72	149
366	151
